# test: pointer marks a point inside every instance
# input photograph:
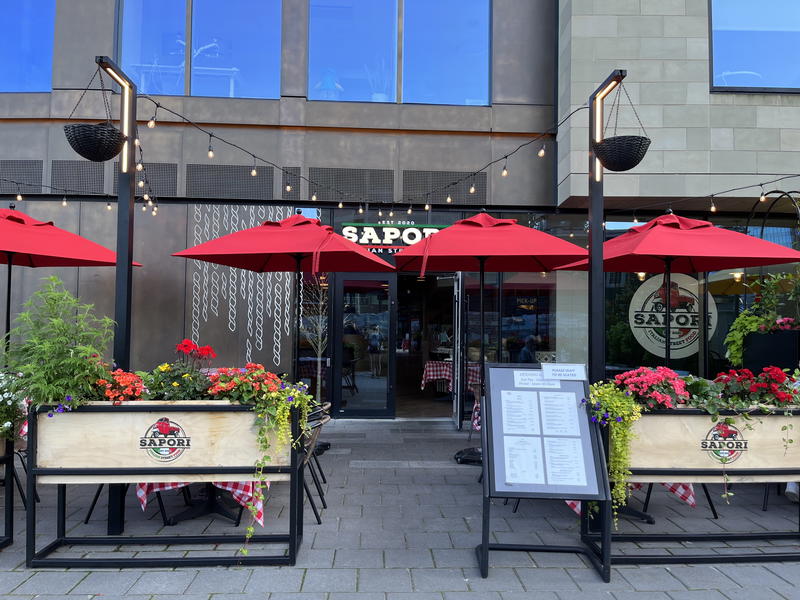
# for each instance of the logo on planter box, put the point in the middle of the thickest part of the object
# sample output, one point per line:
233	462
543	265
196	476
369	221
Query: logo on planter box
165	440
647	315
724	443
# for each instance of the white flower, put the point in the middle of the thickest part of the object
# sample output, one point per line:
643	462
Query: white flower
7	425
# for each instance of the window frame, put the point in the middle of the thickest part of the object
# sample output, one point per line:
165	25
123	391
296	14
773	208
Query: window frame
399	75
189	31
727	89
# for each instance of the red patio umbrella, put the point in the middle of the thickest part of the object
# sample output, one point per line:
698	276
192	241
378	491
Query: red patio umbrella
297	244
672	244
484	243
27	242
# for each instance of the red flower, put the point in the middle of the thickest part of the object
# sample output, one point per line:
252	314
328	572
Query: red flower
206	352
186	347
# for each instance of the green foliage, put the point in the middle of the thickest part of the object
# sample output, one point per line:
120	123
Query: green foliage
12	406
180	380
746	322
613	408
59	347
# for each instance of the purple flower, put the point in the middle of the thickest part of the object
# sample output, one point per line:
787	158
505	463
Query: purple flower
290	399
69	398
50	414
583	401
594	419
605	415
619	419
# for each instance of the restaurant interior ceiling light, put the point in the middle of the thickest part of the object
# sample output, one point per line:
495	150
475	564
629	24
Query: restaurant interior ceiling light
737	276
641	275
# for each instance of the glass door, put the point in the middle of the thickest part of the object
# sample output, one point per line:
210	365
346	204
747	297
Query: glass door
364	350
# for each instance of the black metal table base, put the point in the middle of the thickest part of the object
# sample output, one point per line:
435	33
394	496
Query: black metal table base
210	505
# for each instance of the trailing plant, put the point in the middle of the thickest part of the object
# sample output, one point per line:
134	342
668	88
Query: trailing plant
746	322
273	402
657	387
182	379
12	406
617	410
56	347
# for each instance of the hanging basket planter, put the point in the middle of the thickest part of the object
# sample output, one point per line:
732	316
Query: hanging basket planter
96	142
621	152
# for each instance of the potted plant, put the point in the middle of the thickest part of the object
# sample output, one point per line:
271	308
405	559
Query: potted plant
12	410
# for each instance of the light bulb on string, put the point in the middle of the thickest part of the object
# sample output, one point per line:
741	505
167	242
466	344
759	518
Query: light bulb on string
152	122
380	212
144	207
471	188
410	210
314	197
635	219
504	172
155	211
360	209
427	206
341	204
146	197
210	147
713	207
139	166
141	183
136	142
391	212
64	201
572	235
541	152
288	188
449	199
19	195
763	197
108	205
254	171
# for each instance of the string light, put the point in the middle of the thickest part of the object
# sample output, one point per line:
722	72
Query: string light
360	209
541	152
314	197
64	201
635	219
380	212
210	147
146	197
152	122
713	207
471	188
136	142
572	235
427	206
341	204
288	188
449	199
391	212
19	195
155	211
641	275
410	210
254	171
504	172
108	205
763	197
144	207
141	183
139	166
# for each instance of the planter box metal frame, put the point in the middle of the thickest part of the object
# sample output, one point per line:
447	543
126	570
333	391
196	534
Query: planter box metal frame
41	558
7	460
752	475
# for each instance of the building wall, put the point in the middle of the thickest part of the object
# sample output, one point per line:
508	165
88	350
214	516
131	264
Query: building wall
702	142
291	132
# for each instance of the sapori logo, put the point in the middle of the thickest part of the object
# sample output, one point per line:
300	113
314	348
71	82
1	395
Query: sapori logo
165	441
648	310
724	443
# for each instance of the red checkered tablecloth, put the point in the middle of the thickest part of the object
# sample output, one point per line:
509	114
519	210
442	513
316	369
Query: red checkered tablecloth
242	492
684	492
443	369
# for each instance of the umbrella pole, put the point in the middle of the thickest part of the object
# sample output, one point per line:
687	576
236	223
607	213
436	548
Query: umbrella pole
482	261
668	314
6	335
298	258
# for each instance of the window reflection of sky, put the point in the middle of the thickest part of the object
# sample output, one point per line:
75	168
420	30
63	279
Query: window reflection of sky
26	46
755	43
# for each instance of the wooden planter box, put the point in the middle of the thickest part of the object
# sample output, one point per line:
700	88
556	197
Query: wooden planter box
156	437
685	445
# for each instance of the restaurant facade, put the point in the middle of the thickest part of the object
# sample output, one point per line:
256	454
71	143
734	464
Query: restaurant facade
378	117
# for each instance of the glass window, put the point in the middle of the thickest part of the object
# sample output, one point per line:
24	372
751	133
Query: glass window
26	46
446	52
352	50
236	48
154	45
755	44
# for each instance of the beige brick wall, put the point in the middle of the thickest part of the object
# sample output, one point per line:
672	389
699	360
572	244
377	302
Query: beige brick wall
702	143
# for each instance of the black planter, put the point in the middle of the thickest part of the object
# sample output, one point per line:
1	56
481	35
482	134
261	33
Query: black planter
778	348
621	152
96	142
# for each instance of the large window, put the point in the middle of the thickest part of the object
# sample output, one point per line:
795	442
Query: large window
755	44
26	46
235	47
446	52
355	47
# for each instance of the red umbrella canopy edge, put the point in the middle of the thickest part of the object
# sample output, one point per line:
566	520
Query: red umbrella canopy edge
34	243
694	246
506	246
275	246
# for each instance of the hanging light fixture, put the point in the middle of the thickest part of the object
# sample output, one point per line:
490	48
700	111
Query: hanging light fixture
427	206
410	210
449	199
108	205
360	209
471	188
641	275
737	276
64	201
713	207
341	204
139	166
391	212
504	172
763	197
314	197
541	152
141	183
288	188
210	147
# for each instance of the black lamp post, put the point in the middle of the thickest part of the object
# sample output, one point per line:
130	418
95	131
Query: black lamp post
597	289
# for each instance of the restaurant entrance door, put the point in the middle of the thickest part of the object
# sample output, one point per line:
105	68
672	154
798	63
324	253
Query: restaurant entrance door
364	324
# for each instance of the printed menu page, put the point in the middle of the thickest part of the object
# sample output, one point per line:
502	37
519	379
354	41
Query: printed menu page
520	412
523	459
559	413
565	464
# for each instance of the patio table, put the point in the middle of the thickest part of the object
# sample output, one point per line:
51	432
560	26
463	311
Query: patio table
242	491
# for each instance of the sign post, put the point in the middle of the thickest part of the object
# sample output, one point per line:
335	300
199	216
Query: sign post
539	442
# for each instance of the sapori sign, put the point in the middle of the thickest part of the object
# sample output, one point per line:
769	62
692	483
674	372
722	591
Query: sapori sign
388	238
647	315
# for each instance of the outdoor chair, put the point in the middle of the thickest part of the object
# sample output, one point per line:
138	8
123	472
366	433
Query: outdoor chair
316	420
